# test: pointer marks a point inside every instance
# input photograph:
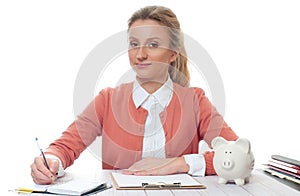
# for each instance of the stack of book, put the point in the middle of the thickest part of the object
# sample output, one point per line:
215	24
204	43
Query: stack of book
284	167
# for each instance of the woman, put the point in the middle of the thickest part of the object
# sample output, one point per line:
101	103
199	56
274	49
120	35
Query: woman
151	126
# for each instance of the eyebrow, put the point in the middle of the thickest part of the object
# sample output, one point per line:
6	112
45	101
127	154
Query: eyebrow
150	38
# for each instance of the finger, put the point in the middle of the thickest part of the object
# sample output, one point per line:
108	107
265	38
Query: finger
136	166
41	181
164	170
53	165
143	173
127	172
38	177
53	168
151	172
42	168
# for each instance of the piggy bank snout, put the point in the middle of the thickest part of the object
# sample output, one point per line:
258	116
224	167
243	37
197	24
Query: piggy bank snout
227	164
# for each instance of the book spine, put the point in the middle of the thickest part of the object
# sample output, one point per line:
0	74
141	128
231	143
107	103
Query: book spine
282	166
288	160
285	164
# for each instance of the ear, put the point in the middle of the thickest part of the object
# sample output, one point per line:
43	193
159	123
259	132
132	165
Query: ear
217	142
244	144
174	55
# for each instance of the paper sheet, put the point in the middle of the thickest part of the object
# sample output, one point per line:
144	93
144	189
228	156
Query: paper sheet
135	181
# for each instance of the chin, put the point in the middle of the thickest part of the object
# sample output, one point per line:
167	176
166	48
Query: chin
144	79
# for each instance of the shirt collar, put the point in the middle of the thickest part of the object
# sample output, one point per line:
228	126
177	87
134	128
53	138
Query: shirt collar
162	95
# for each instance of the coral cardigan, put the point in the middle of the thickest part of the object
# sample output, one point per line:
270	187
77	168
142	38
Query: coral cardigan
189	118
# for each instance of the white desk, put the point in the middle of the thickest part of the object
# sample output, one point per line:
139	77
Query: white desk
260	184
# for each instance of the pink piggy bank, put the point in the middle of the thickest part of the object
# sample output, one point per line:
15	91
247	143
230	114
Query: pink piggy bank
233	160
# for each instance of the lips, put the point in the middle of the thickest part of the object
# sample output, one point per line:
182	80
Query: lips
142	65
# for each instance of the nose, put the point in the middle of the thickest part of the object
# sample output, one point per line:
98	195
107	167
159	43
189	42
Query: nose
142	53
227	164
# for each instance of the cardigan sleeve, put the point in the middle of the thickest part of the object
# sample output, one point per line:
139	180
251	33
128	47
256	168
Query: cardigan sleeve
211	124
80	134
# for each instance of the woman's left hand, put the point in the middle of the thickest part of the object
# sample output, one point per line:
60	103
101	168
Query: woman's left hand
158	166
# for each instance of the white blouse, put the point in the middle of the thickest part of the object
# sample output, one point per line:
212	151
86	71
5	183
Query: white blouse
154	135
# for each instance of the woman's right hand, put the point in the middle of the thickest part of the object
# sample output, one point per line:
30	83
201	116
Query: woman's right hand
41	174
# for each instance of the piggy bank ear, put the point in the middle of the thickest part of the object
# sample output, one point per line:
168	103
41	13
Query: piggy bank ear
244	144
217	142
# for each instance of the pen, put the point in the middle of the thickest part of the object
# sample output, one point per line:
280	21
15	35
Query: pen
36	139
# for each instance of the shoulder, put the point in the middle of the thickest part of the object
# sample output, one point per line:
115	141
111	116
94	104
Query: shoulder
191	91
117	92
122	88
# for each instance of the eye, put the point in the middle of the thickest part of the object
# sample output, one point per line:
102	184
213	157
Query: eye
133	44
153	45
226	152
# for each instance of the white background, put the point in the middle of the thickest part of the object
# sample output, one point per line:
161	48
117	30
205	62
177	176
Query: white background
255	45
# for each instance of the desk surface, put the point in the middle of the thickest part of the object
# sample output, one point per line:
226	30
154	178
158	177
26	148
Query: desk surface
260	184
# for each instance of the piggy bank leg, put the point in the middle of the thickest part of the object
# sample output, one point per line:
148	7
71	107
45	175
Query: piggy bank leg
247	180
222	180
239	181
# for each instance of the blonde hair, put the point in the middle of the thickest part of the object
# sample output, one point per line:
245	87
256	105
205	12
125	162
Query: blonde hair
178	70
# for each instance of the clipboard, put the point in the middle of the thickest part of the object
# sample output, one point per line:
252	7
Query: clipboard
174	181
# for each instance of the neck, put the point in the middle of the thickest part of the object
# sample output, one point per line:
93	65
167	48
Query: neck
151	86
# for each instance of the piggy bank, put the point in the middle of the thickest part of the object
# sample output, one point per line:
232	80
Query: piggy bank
233	160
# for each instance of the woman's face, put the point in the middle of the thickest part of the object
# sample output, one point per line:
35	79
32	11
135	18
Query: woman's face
149	52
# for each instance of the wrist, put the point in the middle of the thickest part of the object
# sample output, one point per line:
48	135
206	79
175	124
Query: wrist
182	166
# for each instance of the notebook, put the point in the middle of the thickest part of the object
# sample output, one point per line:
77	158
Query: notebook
77	187
74	187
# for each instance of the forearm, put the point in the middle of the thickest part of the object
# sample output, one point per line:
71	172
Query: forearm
68	147
180	165
80	134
